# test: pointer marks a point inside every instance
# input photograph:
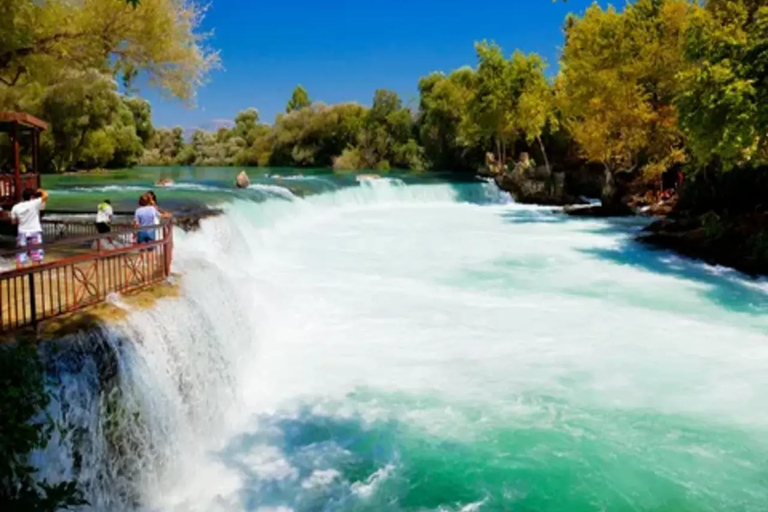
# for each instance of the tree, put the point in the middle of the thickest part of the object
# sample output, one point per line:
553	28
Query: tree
386	134
443	119
534	108
299	99
246	122
723	101
160	37
491	109
616	89
141	111
84	103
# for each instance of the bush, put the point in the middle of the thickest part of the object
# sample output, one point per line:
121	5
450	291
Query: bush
24	427
741	190
349	160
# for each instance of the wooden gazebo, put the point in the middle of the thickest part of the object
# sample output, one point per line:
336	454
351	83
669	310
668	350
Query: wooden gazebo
16	124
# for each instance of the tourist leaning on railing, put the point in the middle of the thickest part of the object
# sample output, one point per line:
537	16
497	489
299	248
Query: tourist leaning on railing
26	215
146	216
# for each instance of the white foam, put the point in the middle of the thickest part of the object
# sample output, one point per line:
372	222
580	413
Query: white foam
447	297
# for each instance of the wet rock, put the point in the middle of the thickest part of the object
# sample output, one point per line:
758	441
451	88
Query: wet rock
536	185
739	242
188	218
242	180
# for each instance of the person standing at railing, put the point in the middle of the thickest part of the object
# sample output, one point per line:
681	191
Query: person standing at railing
26	215
146	216
161	214
104	214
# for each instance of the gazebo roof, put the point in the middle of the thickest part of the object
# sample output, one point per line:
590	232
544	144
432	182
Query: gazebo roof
26	121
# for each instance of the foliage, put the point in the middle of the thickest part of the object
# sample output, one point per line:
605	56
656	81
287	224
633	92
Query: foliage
160	37
299	99
618	83
96	126
442	121
24	428
724	99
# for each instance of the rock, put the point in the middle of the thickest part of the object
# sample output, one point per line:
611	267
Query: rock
597	210
492	166
242	180
535	185
739	242
525	160
189	218
365	177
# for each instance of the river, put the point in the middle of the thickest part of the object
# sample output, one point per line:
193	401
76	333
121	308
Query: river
419	345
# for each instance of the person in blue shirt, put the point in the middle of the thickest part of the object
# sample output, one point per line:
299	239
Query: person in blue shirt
146	216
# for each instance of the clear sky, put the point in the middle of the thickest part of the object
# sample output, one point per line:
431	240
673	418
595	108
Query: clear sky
343	50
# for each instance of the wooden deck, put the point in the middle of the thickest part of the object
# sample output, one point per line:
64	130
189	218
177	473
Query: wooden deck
74	277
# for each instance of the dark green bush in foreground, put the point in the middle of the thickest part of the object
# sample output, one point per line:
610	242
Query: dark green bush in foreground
24	427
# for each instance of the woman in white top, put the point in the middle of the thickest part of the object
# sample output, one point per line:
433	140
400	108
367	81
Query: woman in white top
26	215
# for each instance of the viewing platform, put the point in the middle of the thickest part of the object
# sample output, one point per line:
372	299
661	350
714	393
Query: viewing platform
82	271
81	267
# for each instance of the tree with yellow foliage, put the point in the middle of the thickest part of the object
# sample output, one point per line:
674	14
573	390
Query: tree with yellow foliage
618	84
159	37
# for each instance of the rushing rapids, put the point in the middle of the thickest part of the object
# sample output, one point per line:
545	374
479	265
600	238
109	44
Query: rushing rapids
426	347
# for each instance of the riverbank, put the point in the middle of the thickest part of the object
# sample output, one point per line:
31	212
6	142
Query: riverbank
740	243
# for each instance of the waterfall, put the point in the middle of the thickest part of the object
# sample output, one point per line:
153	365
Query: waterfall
139	403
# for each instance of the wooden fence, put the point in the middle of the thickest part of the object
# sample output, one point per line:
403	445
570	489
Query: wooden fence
40	292
62	229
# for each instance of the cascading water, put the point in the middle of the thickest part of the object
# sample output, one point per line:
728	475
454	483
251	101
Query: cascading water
421	347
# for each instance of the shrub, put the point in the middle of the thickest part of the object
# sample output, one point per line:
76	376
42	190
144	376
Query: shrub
24	427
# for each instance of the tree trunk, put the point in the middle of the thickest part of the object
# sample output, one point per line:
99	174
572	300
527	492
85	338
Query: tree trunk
610	193
503	155
544	154
499	157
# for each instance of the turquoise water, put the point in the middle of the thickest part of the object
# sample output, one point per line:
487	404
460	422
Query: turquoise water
419	345
192	185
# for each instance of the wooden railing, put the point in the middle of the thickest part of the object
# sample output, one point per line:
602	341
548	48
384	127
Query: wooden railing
8	195
40	292
59	229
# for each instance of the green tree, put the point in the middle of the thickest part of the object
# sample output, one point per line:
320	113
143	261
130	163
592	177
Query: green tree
491	108
443	118
141	111
84	103
299	99
534	106
723	102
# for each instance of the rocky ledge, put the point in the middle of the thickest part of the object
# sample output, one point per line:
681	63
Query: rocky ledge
531	184
740	243
188	217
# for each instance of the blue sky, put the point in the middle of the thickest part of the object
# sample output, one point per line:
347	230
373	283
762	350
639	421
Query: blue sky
343	50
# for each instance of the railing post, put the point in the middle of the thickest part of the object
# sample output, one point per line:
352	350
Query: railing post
32	299
168	246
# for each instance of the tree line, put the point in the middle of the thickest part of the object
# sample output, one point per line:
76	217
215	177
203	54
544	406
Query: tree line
659	84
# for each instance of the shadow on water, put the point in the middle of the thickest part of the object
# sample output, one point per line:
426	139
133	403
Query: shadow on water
601	226
729	289
309	461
